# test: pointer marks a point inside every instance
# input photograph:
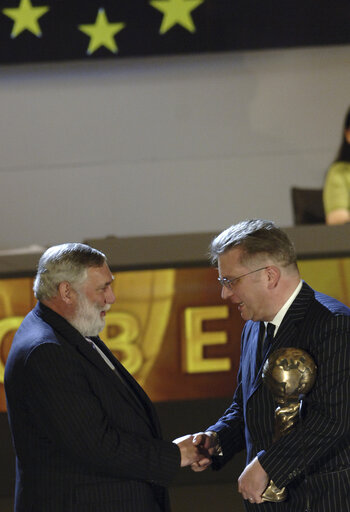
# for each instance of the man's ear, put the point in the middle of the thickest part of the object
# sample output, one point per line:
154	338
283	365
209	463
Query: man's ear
273	276
66	292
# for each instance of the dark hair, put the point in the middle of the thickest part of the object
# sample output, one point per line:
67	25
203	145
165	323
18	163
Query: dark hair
255	237
66	262
344	150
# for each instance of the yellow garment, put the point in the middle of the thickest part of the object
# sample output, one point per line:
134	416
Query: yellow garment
336	192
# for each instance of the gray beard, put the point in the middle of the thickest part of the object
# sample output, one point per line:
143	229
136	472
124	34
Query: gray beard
87	319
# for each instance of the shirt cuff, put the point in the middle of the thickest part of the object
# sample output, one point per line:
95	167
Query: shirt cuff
217	447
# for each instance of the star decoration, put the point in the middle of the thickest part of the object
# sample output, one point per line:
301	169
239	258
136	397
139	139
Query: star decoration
176	12
102	33
25	17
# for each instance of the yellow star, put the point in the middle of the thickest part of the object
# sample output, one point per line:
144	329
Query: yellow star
176	11
25	18
102	33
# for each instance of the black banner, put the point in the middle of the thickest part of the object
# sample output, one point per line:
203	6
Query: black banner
48	30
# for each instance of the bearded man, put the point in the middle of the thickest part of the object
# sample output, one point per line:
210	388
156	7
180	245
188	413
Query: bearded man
86	436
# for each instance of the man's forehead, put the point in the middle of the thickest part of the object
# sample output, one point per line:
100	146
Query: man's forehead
102	273
235	261
230	257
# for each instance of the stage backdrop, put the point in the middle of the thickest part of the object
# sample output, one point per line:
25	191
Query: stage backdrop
48	30
169	327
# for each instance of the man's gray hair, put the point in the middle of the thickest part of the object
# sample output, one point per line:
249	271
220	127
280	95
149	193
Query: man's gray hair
255	237
65	262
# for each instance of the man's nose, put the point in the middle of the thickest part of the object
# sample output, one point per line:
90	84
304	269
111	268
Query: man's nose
110	297
226	292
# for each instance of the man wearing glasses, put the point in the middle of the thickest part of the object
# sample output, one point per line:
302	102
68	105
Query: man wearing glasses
258	273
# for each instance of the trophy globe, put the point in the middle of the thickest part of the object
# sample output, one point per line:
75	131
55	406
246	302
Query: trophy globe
289	373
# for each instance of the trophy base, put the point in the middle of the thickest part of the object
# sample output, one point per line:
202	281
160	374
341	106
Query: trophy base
274	494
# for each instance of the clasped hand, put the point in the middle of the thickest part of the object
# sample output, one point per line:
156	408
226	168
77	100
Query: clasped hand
196	450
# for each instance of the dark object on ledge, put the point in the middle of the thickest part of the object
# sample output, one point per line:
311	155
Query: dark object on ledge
307	206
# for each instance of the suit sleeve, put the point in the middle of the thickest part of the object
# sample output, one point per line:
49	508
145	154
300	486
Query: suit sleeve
230	428
60	397
326	426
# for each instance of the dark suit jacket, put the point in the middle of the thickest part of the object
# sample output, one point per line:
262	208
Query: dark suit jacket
84	440
320	325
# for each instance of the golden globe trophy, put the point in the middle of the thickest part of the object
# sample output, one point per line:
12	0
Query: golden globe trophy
288	373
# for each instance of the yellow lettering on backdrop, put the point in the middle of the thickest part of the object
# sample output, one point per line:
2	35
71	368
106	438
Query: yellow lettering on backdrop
6	325
125	339
196	340
128	332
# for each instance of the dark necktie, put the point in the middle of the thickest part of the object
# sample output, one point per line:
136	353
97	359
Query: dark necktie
270	330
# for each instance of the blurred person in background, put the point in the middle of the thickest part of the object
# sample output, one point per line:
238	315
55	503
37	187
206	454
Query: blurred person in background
336	192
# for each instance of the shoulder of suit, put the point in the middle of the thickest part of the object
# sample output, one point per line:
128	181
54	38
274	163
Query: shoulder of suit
332	305
34	332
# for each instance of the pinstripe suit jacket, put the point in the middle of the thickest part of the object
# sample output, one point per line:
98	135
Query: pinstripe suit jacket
83	441
320	325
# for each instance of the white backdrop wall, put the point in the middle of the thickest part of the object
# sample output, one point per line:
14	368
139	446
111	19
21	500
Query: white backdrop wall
164	145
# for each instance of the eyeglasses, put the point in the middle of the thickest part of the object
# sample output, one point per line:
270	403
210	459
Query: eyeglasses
229	283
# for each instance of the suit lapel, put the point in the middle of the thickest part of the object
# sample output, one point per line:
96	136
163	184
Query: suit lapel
251	358
257	343
288	334
136	389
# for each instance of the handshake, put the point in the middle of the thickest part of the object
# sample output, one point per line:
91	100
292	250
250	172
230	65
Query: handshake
197	450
